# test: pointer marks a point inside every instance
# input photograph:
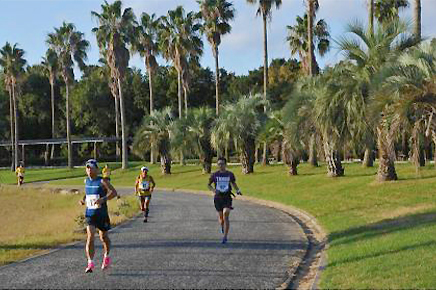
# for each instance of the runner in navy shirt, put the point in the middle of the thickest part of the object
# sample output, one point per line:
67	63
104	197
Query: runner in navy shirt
98	191
223	181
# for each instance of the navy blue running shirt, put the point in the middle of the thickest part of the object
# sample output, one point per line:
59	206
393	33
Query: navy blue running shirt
222	181
94	190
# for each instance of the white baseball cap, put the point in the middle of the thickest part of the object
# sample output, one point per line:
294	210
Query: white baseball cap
144	168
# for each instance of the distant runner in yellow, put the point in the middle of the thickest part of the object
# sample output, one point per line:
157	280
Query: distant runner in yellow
144	186
106	172
19	172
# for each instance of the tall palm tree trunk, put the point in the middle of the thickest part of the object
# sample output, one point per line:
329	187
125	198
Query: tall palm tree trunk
185	93
313	160
386	169
247	156
117	126
333	160
368	161
11	114
52	116
124	156
69	144
433	137
14	98
265	81
207	156
150	87
179	95
165	159
371	16
217	81
417	18
179	92
291	159
310	37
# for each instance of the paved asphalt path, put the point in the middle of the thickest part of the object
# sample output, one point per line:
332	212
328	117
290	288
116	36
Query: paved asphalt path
178	248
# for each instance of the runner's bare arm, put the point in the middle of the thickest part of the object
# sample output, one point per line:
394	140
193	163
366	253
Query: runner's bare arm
82	201
209	185
235	186
136	185
109	189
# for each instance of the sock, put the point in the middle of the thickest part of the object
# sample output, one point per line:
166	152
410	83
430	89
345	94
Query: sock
90	261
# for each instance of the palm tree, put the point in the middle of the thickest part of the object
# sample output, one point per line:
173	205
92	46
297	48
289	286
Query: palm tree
114	32
298	41
300	130
369	51
113	85
180	42
194	132
156	129
265	10
146	44
240	122
216	15
417	17
387	11
50	64
310	18
69	46
407	89
272	133
13	64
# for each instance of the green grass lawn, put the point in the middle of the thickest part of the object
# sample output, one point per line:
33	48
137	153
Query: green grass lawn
382	235
37	220
44	174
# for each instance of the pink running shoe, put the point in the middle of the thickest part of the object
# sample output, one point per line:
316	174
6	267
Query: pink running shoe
90	267
106	262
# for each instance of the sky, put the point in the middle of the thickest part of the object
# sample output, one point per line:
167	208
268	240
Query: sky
27	22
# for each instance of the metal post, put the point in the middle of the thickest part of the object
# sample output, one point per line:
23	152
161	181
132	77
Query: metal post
95	150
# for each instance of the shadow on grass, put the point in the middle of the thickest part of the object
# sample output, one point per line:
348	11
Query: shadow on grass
416	177
383	227
382	253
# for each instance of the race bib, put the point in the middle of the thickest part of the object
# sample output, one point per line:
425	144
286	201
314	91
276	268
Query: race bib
90	201
222	186
145	185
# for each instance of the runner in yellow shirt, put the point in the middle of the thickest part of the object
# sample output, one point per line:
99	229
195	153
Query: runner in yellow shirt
106	172
19	172
144	186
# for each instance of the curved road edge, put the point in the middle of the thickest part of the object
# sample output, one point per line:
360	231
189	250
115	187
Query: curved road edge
306	274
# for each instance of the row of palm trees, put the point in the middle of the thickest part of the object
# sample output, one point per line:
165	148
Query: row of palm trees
177	37
202	134
383	90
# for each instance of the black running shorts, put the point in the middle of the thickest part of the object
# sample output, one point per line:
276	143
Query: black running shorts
222	201
100	221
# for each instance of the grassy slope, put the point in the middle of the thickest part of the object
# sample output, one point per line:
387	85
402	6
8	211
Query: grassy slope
381	235
37	220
